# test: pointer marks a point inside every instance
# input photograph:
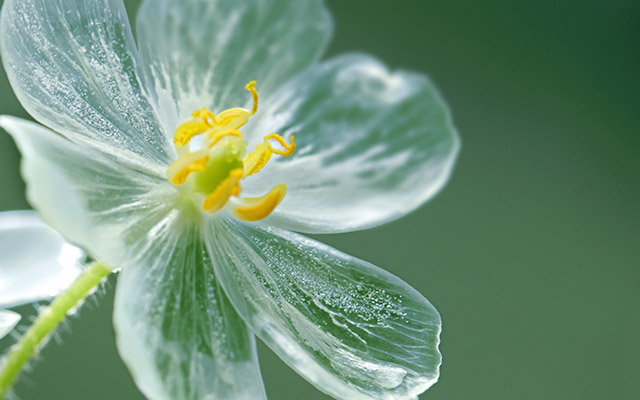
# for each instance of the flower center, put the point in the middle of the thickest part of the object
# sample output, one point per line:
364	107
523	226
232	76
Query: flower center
211	174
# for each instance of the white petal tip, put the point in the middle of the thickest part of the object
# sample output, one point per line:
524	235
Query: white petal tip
8	320
36	263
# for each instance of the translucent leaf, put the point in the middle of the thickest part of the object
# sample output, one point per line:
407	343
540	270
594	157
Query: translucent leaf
94	201
176	329
8	319
35	261
350	328
75	68
202	53
373	145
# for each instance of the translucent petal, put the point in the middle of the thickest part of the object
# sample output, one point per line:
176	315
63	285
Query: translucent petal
202	53
8	319
350	328
74	67
35	261
176	330
373	145
95	202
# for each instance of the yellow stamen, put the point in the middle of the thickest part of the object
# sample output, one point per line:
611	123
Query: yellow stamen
202	120
235	191
221	135
288	148
229	122
255	161
251	87
227	188
232	119
255	209
207	116
220	164
180	169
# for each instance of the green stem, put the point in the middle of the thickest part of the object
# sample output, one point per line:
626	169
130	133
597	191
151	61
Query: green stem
46	322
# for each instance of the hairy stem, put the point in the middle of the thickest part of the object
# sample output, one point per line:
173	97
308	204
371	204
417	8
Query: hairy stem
46	323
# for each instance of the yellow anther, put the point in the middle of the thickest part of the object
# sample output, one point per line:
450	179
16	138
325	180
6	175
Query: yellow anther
288	148
207	116
221	135
255	161
229	121
202	120
227	188
180	169
235	191
255	209
251	87
233	118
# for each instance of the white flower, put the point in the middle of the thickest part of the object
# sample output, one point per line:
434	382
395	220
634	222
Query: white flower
197	284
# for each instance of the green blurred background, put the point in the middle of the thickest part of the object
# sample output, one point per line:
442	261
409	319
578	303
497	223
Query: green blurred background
530	253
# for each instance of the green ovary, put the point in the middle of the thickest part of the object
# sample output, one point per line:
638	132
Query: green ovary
223	158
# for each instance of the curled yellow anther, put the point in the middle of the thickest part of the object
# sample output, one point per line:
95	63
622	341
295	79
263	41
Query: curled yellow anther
255	161
180	169
255	209
251	87
227	188
288	148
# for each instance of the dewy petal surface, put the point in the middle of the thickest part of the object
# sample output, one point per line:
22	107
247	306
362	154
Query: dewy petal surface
75	68
350	328
201	53
36	263
8	319
373	145
176	329
94	201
